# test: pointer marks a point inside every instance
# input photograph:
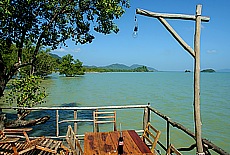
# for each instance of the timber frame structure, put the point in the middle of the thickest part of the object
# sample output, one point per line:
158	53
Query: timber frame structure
146	112
194	53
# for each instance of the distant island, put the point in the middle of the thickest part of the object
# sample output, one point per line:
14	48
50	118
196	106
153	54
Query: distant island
187	71
113	67
208	70
133	68
119	68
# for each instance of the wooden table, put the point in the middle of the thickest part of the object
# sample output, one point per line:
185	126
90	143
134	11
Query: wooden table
106	143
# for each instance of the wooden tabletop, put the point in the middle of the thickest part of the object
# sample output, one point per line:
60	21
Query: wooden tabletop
106	143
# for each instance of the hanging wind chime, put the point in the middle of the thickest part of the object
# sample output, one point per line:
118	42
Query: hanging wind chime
135	28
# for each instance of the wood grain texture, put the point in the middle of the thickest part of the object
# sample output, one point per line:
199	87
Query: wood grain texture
104	143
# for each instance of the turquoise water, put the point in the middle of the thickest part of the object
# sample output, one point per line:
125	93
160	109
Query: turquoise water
169	92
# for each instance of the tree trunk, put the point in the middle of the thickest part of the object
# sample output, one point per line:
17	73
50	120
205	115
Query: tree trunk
2	79
2	119
20	122
24	123
2	86
22	114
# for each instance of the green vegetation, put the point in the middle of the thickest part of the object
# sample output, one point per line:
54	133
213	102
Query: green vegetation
28	25
115	68
45	64
208	70
141	69
70	67
26	92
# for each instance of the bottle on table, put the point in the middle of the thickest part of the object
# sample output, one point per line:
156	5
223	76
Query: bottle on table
120	143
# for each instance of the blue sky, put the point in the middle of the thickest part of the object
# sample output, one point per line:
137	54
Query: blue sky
154	46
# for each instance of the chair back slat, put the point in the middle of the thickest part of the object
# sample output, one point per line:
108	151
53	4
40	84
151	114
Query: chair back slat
172	149
151	137
2	135
103	117
73	142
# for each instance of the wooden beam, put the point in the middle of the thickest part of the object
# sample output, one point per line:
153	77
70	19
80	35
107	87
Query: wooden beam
177	37
170	16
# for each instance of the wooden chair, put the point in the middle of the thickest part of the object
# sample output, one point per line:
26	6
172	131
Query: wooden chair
104	117
172	149
150	137
42	145
48	145
73	142
11	145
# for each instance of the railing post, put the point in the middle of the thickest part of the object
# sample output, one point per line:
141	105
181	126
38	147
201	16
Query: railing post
146	117
168	133
75	123
57	125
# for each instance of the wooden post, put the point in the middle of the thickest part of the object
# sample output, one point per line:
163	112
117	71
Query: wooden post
194	53
146	117
75	123
168	133
57	126
197	117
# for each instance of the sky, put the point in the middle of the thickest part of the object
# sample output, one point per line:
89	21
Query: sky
154	46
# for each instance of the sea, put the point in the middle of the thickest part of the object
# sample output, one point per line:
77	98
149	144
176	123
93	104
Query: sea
171	93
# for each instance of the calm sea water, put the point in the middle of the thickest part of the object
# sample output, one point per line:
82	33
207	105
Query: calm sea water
169	92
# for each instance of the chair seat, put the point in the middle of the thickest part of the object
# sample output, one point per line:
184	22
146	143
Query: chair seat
11	145
48	145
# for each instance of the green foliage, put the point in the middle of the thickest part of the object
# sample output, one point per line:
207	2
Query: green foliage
9	54
141	69
101	69
30	24
26	92
56	21
71	67
44	64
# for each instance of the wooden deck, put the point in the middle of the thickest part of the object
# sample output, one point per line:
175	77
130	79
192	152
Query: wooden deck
148	111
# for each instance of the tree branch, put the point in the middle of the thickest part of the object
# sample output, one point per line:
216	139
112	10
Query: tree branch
46	28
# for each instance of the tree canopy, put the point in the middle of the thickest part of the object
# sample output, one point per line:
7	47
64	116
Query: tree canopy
50	23
70	67
105	69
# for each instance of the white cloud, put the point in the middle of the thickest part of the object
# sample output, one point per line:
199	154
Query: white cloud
76	50
211	51
67	50
60	50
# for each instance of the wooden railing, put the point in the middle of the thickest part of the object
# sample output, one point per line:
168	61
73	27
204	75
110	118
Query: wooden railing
148	111
75	120
169	122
